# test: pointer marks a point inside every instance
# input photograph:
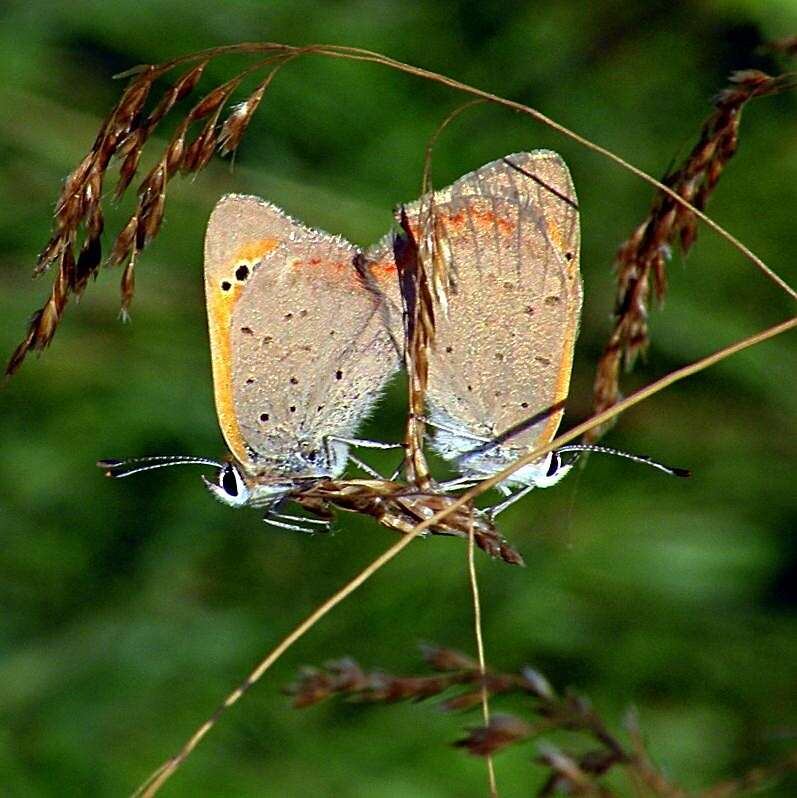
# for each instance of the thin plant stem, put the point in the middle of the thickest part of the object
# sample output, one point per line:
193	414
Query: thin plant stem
477	626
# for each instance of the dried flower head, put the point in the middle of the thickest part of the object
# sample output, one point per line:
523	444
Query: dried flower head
400	507
124	134
641	262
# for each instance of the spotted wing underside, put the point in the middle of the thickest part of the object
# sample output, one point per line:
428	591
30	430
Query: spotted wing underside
504	350
302	336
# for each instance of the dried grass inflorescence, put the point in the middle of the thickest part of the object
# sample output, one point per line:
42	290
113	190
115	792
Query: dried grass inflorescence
419	321
577	770
641	261
401	508
424	264
75	245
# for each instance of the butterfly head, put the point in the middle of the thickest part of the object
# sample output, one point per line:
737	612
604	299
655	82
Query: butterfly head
231	485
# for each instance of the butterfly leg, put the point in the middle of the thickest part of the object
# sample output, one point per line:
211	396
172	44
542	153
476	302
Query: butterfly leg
294	523
301	519
360	443
365	467
364	443
282	525
462	483
453	430
457	483
493	511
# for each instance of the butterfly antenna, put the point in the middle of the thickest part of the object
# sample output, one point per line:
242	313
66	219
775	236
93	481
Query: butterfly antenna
584	447
135	465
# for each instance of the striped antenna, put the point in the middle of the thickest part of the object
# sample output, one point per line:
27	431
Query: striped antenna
636	458
125	468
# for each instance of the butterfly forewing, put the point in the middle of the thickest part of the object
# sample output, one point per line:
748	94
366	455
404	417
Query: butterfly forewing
309	343
503	352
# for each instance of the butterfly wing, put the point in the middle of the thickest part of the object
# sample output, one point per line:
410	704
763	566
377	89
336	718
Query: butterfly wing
504	351
300	330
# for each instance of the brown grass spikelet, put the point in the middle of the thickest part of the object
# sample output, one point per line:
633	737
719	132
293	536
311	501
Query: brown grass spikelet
47	321
49	254
198	154
127	288
317	684
503	730
537	684
567	776
575	770
175	152
134	144
125	241
88	262
43	323
130	106
26	344
235	125
419	319
346	678
181	88
214	100
442	658
641	261
400	508
151	204
150	214
123	135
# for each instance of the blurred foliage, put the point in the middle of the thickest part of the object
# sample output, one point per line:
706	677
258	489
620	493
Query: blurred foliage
131	608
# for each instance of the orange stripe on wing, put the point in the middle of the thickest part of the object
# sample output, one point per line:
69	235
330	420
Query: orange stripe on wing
383	268
342	272
251	252
562	386
221	304
480	218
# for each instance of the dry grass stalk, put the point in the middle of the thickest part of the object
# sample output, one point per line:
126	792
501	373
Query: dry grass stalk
641	262
478	631
419	323
576	772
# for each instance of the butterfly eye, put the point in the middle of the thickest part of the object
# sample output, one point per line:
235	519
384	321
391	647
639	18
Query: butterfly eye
554	471
230	481
229	486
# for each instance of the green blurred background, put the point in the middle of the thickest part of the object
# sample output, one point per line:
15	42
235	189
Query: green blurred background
129	609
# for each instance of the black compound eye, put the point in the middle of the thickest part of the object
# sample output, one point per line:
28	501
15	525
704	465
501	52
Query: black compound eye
229	480
554	464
